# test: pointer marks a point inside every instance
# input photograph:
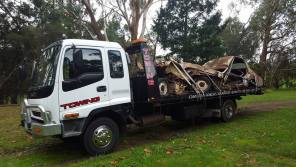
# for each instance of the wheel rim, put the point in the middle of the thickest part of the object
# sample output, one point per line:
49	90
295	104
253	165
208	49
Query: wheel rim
229	111
102	136
203	85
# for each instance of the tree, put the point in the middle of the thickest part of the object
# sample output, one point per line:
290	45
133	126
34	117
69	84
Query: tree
152	41
25	28
95	26
132	11
115	32
275	20
239	39
14	16
190	30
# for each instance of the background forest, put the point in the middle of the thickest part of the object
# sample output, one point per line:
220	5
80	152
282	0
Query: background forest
192	30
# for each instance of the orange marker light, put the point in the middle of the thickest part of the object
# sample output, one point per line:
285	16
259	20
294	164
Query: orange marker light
37	130
139	40
71	115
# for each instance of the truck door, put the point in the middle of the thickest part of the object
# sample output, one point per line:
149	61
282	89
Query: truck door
118	78
83	80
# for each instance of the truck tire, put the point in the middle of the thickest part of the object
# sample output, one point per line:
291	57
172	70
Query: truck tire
101	136
228	110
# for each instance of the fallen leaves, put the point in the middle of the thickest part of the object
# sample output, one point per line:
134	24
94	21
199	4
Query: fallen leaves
252	161
169	151
116	161
147	151
202	141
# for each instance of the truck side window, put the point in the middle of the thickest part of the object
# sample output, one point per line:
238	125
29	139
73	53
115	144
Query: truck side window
82	67
115	64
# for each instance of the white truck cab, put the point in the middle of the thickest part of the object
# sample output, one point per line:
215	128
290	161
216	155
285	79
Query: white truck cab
72	79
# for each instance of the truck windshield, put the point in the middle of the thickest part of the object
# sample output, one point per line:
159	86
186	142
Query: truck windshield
45	68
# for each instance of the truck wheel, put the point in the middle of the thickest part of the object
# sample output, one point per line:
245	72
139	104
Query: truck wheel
101	136
228	110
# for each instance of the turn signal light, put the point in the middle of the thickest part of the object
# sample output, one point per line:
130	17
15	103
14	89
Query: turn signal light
139	40
37	130
71	115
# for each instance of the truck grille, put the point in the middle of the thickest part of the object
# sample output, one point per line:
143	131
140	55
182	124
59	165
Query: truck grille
37	120
36	113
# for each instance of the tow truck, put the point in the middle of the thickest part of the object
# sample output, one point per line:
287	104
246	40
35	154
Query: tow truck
90	89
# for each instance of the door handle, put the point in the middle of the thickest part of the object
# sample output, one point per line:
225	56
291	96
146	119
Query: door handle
101	89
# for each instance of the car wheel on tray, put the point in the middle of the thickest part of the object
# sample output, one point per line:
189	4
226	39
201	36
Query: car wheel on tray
203	83
163	87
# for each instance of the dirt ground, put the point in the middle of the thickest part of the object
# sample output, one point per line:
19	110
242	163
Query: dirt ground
267	106
169	129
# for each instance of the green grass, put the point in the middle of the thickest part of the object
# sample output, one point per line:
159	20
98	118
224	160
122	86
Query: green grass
258	139
252	139
270	95
12	135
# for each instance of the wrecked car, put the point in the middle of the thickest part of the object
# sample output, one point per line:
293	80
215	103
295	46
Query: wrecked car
225	73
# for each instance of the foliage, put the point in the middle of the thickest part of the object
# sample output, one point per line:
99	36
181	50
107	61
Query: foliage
133	12
25	29
239	39
14	16
115	32
190	30
275	21
270	96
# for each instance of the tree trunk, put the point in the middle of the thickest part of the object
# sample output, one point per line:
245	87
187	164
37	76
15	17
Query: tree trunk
1	99
143	24
138	9
264	52
133	28
94	24
262	61
276	84
133	31
13	99
145	12
104	20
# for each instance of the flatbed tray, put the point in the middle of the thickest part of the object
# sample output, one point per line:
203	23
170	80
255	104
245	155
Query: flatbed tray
192	96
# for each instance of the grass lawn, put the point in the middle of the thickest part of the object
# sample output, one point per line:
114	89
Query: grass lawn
258	139
270	95
252	139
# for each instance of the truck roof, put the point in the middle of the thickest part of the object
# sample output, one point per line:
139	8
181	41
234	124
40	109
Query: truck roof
91	43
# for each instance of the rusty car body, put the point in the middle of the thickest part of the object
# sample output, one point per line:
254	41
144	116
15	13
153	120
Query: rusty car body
225	73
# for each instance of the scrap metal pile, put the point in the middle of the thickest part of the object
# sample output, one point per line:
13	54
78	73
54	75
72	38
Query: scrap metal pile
225	73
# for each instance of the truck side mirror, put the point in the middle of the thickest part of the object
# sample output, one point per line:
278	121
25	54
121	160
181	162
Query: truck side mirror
129	62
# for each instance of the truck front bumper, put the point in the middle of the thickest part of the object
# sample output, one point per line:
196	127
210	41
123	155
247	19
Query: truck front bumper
36	129
42	127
